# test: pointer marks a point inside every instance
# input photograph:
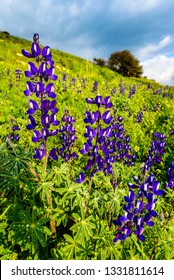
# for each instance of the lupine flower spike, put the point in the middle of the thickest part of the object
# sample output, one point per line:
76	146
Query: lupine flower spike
139	208
42	107
68	137
105	138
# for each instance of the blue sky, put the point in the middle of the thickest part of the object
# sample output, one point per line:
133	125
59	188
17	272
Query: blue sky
96	28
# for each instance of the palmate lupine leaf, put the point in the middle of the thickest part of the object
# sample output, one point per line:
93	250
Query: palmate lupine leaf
2	216
30	230
8	182
83	230
74	250
15	163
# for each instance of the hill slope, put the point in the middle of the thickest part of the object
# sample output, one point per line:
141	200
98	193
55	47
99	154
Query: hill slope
76	77
49	210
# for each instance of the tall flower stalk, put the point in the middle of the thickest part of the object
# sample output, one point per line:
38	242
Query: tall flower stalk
67	137
42	108
139	208
106	141
156	152
170	173
97	133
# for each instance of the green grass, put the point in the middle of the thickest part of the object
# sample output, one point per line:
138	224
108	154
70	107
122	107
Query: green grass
84	220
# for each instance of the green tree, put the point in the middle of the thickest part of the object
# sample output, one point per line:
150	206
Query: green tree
100	61
124	63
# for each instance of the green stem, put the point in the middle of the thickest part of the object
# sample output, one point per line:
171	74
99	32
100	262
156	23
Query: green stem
52	221
46	157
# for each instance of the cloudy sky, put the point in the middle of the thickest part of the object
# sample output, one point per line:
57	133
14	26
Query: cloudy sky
96	28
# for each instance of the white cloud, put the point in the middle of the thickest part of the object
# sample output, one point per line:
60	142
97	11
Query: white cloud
134	7
82	46
160	68
6	6
150	49
156	64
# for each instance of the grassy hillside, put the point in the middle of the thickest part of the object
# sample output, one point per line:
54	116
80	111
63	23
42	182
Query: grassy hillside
72	95
40	198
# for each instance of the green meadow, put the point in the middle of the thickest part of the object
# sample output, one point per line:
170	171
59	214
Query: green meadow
44	212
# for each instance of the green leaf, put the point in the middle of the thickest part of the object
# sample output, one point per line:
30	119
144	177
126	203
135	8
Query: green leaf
25	216
5	211
68	238
76	216
40	237
42	221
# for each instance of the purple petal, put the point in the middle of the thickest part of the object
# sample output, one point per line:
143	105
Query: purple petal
28	74
43	68
35	49
150	224
40	87
45	120
46	52
98	100
37	136
45	133
81	178
153	213
51	94
39	153
32	68
45	106
106	117
52	120
90	100
106	102
85	149
27	54
159	192
54	132
53	154
141	237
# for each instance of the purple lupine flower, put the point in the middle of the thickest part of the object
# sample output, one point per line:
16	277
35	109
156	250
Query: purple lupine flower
53	154
39	74
139	116
18	73
45	91
113	91
122	89
73	82
139	209
67	137
81	178
106	141
39	153
172	131
32	71
156	152
132	91
32	123
47	55
120	142
106	102
33	107
15	127
64	77
170	172
36	38
12	135
31	88
96	146
149	85
95	86
83	82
